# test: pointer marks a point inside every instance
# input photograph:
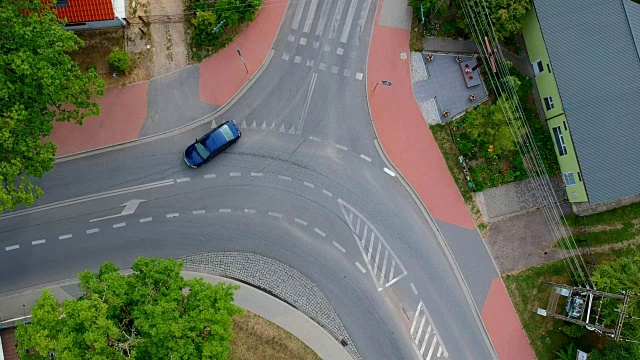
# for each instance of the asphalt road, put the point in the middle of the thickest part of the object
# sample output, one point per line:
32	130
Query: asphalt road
296	188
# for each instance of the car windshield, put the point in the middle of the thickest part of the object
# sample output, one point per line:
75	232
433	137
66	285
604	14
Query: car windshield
202	151
226	132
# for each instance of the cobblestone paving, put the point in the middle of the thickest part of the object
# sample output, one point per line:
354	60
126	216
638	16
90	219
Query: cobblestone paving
278	279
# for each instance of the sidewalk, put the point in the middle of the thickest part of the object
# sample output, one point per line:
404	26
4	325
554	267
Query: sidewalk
174	99
247	297
410	146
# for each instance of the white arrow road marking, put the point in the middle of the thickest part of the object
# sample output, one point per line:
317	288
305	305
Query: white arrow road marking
129	208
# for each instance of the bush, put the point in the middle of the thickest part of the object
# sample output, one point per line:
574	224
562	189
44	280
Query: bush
575	331
119	60
204	23
235	12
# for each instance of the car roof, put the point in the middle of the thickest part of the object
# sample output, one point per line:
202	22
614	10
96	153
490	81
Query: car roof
214	139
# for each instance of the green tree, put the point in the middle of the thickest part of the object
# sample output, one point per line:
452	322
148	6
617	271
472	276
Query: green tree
151	314
507	16
39	83
204	23
235	12
486	125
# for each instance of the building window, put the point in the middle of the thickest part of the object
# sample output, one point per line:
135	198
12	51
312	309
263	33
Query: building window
568	178
565	126
538	68
579	176
548	103
557	134
549	68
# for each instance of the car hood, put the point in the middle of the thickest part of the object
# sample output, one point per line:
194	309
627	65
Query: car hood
192	157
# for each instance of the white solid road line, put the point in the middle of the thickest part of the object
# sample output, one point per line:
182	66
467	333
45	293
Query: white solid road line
347	24
308	184
336	19
307	102
310	15
302	222
224	210
319	232
38	242
235	174
298	15
86	198
413	287
119	225
182	180
341	147
66	236
329	194
249	211
339	247
365	157
198	212
147	219
275	214
172	215
282	177
389	172
362	269
12	247
92	231
209	176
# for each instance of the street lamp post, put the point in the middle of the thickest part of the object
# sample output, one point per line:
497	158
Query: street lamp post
115	76
383	82
241	58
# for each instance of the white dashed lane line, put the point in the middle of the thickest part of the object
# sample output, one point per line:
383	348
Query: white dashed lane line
308	184
210	176
319	232
256	174
172	215
329	194
365	157
301	222
235	174
119	225
182	180
249	211
198	212
391	173
38	242
274	214
224	210
362	269
314	138
413	287
92	231
341	147
147	219
281	177
65	236
12	247
339	247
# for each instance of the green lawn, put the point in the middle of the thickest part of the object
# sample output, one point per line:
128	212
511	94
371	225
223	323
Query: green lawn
527	294
609	227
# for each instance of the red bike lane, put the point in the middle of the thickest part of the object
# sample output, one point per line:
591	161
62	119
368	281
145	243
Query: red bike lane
409	144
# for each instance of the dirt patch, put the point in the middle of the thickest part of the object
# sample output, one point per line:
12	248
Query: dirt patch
258	338
169	45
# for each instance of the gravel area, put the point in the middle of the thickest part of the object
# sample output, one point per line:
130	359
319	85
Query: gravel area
279	280
430	113
418	69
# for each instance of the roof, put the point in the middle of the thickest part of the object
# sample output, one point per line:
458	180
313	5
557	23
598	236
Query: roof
86	11
593	48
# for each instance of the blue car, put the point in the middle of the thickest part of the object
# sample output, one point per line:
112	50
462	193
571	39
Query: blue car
211	144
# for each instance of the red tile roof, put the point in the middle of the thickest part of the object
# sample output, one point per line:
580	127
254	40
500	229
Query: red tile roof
86	10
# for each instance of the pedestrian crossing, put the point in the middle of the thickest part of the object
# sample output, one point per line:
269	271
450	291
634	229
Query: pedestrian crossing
385	268
426	341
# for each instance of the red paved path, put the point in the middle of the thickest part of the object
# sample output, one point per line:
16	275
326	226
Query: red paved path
407	140
123	111
223	75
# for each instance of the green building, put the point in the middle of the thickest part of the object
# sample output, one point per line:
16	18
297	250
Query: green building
585	58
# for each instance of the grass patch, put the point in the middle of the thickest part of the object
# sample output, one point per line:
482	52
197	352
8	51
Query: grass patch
258	338
416	37
528	294
450	153
608	227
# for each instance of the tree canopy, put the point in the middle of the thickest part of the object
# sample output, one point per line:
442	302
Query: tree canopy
507	16
153	313
39	83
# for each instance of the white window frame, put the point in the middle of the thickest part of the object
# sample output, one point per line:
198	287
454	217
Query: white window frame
536	68
548	103
560	145
569	176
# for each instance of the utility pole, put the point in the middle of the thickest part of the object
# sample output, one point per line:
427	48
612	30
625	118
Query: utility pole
241	58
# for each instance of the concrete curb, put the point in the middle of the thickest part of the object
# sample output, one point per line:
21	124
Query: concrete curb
180	129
